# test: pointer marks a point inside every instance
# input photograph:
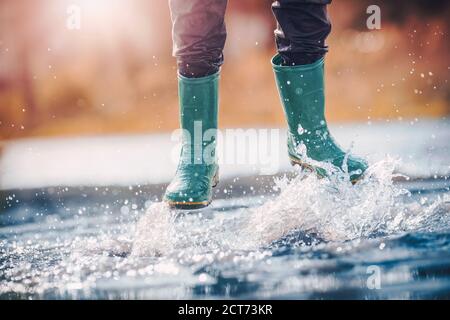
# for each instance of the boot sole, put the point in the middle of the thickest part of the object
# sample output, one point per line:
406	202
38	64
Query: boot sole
194	205
311	168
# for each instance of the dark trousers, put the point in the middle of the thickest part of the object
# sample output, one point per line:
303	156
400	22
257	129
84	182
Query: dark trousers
199	33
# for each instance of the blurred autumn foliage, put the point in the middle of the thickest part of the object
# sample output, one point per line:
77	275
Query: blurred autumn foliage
116	74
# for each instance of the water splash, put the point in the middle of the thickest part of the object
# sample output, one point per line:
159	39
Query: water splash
331	208
280	242
154	232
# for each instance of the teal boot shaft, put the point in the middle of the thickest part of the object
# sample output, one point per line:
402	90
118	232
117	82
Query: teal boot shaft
197	170
301	90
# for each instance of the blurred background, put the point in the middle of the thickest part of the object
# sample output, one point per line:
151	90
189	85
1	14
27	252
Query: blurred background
115	74
87	108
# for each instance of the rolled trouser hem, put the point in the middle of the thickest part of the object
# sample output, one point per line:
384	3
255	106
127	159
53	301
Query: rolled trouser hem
198	65
198	71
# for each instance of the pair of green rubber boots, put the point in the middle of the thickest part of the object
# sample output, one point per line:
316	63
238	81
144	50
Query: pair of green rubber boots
310	143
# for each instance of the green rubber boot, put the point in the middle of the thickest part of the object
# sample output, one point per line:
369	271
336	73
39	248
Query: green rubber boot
301	90
197	171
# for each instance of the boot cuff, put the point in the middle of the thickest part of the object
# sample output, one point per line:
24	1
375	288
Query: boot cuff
200	80
277	67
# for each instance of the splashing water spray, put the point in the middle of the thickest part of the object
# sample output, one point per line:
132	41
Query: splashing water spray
331	208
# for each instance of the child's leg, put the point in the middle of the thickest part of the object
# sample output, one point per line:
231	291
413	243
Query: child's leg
302	28
198	35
